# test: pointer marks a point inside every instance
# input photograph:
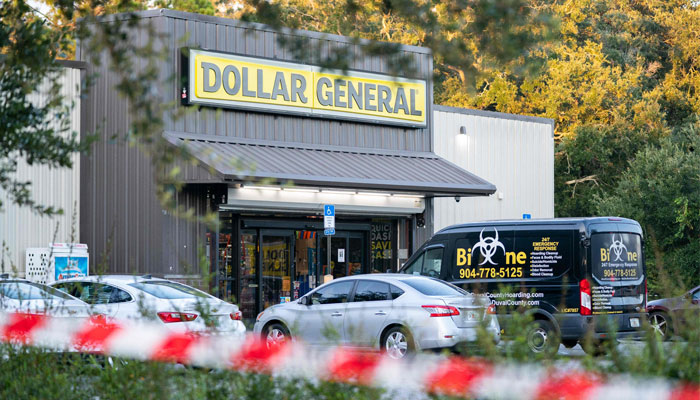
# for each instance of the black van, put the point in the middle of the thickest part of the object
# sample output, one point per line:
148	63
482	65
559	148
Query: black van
566	272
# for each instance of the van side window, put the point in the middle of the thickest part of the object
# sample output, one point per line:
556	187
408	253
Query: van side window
415	267
432	264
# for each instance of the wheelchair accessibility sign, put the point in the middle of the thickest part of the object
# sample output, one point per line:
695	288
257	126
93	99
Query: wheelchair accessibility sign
329	219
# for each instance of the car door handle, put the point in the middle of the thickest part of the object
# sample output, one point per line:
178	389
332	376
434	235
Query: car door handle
337	314
380	313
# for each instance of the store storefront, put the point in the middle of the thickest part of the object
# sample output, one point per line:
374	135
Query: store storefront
264	260
277	137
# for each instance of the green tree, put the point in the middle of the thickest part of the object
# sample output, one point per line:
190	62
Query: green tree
591	161
31	133
661	190
30	45
621	70
469	39
205	7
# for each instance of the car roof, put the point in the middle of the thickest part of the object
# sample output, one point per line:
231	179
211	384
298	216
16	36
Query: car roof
2	279
123	279
387	277
584	221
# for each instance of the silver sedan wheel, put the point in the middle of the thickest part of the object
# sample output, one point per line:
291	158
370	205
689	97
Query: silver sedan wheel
275	337
396	345
660	324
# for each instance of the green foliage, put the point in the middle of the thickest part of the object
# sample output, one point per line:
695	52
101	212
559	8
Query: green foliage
649	357
622	76
194	6
32	133
591	162
468	39
27	373
661	190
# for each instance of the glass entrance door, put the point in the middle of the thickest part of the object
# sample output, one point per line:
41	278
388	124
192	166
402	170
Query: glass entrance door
276	251
348	254
248	267
305	263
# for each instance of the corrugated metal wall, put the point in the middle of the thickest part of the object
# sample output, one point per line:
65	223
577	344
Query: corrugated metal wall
20	228
121	219
515	153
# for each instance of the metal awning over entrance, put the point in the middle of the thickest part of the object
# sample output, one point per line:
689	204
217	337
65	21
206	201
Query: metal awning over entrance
332	166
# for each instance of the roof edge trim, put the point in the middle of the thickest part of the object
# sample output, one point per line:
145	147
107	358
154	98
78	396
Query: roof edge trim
494	114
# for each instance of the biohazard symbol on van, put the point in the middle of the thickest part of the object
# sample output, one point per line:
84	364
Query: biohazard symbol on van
488	246
618	248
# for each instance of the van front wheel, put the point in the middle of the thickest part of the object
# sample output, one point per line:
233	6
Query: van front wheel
542	337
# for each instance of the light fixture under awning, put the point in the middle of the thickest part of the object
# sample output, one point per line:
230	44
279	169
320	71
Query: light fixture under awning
245	160
269	199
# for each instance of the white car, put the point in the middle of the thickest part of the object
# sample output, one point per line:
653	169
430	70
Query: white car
179	307
23	296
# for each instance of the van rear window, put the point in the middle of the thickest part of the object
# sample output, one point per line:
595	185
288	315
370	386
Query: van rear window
513	255
616	257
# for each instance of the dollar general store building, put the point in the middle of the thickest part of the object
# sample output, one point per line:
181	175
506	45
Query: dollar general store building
278	138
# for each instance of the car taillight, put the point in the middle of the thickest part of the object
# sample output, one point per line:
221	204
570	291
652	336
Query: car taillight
585	289
236	316
170	317
491	309
99	318
441	311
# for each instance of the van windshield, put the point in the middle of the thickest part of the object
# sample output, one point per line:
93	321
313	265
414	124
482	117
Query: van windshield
617	258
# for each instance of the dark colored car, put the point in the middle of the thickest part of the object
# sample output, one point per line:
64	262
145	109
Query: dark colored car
669	316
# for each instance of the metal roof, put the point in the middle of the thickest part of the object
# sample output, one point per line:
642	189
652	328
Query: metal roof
243	160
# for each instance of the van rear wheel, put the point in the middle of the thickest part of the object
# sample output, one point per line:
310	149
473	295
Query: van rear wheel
542	337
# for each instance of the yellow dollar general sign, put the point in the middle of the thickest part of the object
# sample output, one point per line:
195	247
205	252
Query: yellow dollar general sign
232	81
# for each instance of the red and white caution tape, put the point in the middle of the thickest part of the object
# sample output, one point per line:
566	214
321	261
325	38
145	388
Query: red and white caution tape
471	378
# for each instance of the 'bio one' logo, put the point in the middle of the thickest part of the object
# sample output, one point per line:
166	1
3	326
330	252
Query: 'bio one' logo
617	249
488	247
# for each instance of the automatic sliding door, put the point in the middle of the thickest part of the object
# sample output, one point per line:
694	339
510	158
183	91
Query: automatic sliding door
305	262
348	254
356	254
248	274
276	249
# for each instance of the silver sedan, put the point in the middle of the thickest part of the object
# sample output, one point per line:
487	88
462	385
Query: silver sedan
395	313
